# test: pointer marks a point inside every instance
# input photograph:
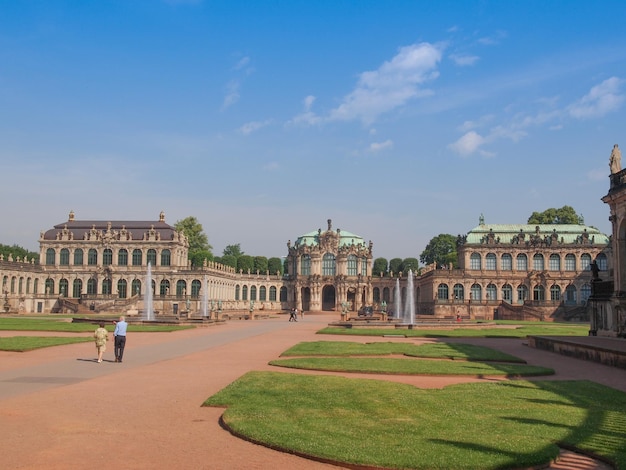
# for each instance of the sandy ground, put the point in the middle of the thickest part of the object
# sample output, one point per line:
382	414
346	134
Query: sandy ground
59	409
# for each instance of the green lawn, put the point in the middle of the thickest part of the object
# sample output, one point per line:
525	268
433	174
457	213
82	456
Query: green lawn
55	324
498	425
513	330
28	343
459	351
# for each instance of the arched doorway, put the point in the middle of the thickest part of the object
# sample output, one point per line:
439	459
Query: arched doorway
352	299
328	298
305	295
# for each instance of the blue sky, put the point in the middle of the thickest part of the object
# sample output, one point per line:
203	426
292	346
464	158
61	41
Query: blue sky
399	120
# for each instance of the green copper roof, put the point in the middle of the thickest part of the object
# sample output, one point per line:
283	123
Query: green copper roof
565	233
345	239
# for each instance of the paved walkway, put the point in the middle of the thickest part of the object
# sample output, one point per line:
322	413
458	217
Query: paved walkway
59	409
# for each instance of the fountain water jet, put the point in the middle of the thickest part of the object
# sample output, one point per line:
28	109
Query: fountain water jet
148	302
205	298
397	301
409	307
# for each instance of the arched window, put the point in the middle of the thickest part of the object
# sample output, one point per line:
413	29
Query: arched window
106	286
386	294
151	257
442	292
164	288
262	293
475	261
570	262
92	257
491	292
329	267
476	292
252	292
166	258
136	287
238	290
137	257
490	262
283	294
107	257
585	293
555	293
272	297
77	288
122	287
50	256
92	288
522	293
538	263
585	262
122	257
305	265
64	287
363	266
506	262
65	257
196	286
570	295
78	257
458	291
49	286
507	293
244	293
376	294
539	293
522	262
555	262
181	288
352	265
602	262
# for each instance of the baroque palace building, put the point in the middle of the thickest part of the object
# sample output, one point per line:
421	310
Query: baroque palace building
504	271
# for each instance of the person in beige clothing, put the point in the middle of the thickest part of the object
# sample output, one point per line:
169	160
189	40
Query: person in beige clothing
101	336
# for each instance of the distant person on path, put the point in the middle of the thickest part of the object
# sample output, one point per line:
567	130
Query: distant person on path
101	336
293	315
120	338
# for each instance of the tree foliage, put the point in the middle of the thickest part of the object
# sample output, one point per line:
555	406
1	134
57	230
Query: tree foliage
440	250
199	248
260	264
275	265
410	264
564	215
380	266
17	251
245	263
228	260
395	265
233	250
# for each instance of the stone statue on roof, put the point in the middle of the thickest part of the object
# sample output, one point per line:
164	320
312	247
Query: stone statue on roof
615	162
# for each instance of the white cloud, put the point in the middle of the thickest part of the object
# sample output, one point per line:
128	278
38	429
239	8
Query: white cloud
307	116
232	94
464	60
242	63
601	100
378	146
393	84
468	143
253	126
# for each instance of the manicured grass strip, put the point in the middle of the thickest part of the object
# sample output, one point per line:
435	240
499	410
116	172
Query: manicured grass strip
41	324
470	426
467	352
542	329
376	365
28	343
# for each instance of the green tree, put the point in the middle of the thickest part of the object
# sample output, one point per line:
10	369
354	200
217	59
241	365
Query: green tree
380	266
17	251
275	265
245	263
410	263
395	265
260	264
564	215
199	248
228	260
440	250
233	250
